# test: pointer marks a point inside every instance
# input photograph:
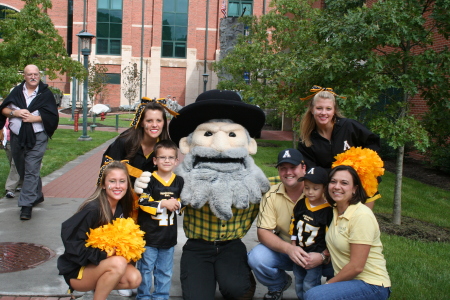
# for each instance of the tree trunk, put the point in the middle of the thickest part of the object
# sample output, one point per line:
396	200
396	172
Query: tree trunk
397	213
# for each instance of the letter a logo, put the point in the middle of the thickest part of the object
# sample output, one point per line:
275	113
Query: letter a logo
311	171
346	146
286	154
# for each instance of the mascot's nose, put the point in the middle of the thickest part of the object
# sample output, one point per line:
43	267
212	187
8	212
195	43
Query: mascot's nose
220	141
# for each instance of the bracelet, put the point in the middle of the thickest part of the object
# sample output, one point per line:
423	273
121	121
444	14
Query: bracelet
325	259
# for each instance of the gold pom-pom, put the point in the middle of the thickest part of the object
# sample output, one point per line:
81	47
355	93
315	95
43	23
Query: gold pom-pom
122	235
366	163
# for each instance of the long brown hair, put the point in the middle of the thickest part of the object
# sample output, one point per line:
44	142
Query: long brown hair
127	201
134	136
308	124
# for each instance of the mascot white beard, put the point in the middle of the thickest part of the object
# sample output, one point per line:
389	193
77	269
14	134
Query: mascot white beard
223	178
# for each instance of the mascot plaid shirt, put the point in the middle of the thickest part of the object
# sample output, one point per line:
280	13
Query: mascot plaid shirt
203	224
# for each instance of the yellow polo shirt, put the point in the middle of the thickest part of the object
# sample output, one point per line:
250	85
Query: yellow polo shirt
275	212
358	225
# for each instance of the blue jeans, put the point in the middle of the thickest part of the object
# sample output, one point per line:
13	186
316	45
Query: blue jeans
158	261
306	279
269	267
353	289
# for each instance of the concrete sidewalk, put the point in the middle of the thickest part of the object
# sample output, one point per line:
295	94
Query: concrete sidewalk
64	191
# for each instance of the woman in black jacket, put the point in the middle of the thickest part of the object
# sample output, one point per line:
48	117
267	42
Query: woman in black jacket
325	133
87	268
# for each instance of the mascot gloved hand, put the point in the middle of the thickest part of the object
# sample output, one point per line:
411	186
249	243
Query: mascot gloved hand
142	182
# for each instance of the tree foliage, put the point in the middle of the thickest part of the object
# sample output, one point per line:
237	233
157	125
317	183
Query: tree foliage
130	83
379	56
29	37
97	81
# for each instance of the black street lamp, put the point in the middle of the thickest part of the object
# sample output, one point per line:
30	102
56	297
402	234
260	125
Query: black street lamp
86	44
205	81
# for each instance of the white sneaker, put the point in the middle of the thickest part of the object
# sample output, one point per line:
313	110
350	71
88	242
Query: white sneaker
125	293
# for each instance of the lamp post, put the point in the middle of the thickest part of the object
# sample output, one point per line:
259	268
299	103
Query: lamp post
205	81
86	43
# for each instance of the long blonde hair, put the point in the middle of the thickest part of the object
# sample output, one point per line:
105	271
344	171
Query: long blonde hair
308	124
127	201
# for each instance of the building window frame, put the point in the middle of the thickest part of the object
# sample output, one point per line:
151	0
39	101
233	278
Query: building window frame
109	27
236	8
174	29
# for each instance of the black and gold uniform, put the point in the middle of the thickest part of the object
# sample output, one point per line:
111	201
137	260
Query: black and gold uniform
309	224
74	235
160	225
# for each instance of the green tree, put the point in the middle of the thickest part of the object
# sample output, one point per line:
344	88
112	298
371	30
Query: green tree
97	81
380	57
29	37
131	77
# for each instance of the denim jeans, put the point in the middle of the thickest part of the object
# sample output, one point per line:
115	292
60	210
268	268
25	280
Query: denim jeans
306	279
269	266
157	262
352	290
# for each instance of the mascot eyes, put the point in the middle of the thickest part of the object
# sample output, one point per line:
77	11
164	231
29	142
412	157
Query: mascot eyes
232	134
208	133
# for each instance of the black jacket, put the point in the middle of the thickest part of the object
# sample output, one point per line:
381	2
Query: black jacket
346	133
44	102
73	235
118	150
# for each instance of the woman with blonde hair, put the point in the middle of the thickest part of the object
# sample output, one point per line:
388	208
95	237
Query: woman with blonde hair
324	132
88	268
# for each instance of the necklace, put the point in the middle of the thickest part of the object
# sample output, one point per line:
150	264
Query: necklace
342	212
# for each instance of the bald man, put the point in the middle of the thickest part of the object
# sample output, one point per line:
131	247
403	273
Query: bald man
33	117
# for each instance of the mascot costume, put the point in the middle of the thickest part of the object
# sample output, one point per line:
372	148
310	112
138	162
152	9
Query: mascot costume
221	194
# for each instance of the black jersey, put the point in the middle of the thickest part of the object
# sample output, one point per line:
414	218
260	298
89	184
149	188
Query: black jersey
309	225
160	226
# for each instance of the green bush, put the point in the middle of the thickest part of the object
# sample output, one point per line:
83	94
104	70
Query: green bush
273	118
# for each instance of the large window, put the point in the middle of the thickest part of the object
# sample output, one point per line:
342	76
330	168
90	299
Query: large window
174	30
3	14
238	8
109	27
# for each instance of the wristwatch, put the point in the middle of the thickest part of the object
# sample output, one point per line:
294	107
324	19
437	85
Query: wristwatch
11	113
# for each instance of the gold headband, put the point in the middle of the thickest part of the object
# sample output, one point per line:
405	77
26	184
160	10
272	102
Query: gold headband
317	89
141	107
106	162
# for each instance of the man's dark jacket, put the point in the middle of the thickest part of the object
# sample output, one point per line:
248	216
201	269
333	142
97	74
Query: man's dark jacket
44	102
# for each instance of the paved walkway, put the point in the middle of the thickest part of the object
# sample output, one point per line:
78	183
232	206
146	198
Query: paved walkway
64	191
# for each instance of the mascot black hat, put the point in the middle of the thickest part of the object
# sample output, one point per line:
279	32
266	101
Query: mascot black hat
216	104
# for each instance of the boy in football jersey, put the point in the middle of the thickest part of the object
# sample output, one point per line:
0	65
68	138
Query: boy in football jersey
311	218
158	205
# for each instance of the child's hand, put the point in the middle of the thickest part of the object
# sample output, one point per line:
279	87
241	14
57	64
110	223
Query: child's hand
171	204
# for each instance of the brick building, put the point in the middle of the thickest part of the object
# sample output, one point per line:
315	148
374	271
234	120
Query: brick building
178	44
179	37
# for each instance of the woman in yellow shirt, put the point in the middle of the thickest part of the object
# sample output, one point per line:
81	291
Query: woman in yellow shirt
353	241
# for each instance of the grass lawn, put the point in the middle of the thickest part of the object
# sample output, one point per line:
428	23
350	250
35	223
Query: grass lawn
62	148
110	120
418	270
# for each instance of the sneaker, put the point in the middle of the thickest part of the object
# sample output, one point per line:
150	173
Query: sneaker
18	189
277	295
125	293
10	194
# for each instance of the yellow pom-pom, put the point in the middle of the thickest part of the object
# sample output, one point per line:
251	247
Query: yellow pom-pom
123	235
366	163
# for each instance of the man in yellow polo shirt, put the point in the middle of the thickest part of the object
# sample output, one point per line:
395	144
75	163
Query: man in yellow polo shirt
275	254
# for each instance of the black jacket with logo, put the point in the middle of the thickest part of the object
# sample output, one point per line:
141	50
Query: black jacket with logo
346	133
